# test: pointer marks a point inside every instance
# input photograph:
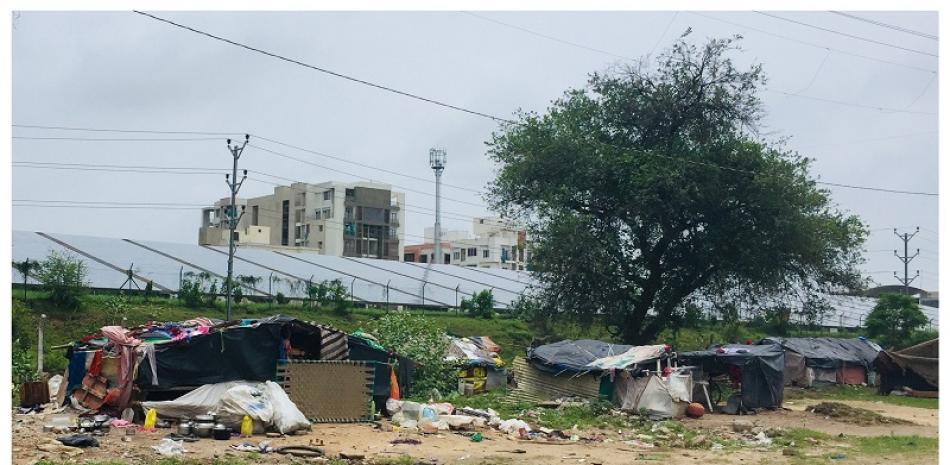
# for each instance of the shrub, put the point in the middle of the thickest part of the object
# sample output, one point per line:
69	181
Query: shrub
282	299
190	293
63	275
148	290
237	294
423	342
894	319
212	295
480	305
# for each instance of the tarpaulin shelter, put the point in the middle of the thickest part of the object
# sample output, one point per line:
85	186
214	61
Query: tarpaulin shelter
810	360
584	362
916	367
761	371
182	356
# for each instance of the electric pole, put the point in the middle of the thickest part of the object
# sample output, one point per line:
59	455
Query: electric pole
906	259
437	162
233	217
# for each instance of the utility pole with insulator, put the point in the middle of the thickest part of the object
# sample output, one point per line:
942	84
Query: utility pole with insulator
437	162
906	259
233	217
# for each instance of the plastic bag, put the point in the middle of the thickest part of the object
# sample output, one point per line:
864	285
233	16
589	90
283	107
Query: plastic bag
429	414
170	448
287	418
442	408
245	400
393	406
53	385
513	425
78	440
150	418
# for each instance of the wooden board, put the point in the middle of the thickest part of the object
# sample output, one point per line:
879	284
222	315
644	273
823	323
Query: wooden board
330	391
538	386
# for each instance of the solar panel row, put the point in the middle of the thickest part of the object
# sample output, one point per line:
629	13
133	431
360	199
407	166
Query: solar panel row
288	272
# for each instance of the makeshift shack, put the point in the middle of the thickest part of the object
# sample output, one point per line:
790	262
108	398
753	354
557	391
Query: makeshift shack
632	376
757	369
163	360
916	368
480	367
825	360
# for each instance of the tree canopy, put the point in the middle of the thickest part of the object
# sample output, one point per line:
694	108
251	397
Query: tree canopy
894	319
649	187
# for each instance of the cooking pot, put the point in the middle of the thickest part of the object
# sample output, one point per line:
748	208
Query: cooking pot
184	428
221	432
203	430
205	419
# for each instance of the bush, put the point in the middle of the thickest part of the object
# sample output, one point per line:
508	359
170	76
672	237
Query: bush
895	318
190	293
63	275
480	305
148	290
237	294
423	342
282	299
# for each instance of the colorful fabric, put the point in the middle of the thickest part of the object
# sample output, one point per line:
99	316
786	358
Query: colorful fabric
125	346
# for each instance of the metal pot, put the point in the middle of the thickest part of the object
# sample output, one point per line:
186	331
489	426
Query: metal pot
205	419
221	432
184	428
203	430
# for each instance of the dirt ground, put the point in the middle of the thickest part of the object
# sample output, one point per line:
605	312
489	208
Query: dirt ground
373	442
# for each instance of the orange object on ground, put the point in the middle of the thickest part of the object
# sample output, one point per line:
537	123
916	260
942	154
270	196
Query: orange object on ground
393	384
695	410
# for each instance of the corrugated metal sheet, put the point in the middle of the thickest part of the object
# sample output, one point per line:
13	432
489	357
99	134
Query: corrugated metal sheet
537	386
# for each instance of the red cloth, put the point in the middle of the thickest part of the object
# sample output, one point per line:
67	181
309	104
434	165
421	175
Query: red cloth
95	367
393	384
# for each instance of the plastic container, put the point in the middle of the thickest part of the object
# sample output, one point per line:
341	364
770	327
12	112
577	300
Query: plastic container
150	419
247	427
428	413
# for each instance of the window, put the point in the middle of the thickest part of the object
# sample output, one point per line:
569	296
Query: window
285	223
320	228
320	244
328	194
254	216
472	252
237	236
370	214
423	259
327	213
351	193
485	253
455	255
316	214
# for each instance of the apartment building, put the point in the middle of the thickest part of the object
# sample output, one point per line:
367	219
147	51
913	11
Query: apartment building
332	218
497	244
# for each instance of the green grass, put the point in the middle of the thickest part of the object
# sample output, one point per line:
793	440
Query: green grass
869	394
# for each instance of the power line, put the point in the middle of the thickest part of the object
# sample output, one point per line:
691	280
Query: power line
672	158
858	105
99	139
811	44
545	36
327	71
258	136
845	34
886	25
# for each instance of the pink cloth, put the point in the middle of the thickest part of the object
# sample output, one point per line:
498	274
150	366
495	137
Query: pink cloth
125	346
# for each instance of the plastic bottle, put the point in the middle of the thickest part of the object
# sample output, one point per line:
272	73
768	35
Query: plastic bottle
247	427
150	418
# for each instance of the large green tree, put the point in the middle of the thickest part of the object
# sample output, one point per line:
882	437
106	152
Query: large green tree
894	320
648	187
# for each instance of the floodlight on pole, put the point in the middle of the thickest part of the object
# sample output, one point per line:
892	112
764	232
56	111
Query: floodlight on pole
437	163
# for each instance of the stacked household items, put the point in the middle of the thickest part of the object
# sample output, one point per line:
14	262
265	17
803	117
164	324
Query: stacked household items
756	372
825	360
914	370
480	367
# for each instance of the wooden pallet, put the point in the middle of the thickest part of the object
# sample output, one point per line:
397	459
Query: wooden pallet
329	391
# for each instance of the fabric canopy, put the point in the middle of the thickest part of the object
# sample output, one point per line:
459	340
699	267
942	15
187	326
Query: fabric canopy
762	368
828	352
916	367
570	355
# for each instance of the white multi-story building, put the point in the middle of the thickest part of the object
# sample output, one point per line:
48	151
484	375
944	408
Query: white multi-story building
334	218
497	244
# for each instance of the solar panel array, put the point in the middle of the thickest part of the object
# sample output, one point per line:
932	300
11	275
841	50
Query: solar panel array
287	271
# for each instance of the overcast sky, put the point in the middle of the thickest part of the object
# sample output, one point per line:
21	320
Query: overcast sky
123	70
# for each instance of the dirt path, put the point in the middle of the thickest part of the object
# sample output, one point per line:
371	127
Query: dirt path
496	448
919	416
797	417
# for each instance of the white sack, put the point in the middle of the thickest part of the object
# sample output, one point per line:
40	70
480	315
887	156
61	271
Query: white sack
287	417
